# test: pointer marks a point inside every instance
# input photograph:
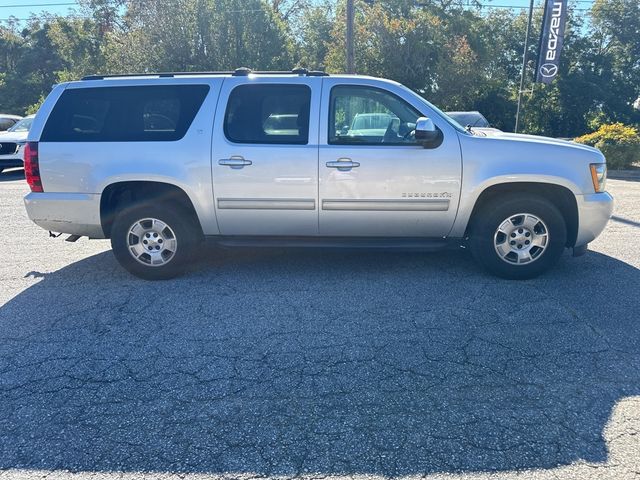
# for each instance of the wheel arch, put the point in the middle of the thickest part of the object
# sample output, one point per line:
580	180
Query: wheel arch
561	196
117	195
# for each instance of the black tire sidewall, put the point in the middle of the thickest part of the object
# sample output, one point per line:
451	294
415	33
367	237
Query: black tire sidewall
185	232
495	212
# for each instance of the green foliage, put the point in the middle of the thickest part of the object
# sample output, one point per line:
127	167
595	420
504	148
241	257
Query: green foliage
167	35
619	144
460	58
315	37
33	108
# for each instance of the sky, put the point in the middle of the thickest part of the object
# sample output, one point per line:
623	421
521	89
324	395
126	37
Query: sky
24	8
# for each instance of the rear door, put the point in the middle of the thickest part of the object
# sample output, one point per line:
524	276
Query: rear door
265	156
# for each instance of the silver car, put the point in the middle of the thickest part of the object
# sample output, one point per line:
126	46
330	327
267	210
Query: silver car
159	162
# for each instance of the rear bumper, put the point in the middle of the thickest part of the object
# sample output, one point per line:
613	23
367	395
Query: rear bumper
594	211
74	213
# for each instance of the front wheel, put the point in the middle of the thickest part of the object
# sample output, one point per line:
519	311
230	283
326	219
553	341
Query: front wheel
154	242
518	236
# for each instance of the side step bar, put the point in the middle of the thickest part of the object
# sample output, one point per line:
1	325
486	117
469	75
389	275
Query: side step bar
419	244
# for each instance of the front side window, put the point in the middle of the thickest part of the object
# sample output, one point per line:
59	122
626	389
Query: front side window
268	114
124	114
370	116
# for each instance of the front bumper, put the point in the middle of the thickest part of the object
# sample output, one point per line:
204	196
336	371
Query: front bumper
594	211
11	161
73	213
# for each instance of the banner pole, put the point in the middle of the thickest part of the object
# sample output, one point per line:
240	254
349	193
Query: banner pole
524	64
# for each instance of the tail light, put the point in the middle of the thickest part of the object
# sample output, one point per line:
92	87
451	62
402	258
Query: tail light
31	167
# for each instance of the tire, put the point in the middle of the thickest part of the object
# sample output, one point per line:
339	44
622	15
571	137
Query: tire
172	248
501	229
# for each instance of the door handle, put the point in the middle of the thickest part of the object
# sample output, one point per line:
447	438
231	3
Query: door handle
343	164
234	162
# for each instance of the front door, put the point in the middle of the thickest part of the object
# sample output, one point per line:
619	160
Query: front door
265	156
375	179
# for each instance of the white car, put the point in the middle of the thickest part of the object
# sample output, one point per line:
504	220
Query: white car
11	143
7	121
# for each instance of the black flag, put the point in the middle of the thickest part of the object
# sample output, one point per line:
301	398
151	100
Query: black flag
551	39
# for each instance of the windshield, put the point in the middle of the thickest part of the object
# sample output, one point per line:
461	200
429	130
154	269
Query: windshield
474	119
444	116
22	126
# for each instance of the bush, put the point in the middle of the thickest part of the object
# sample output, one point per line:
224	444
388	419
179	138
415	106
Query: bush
620	144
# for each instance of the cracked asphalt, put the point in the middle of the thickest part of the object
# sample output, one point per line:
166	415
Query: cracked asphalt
316	364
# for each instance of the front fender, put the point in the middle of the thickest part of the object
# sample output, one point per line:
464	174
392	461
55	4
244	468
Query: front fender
490	161
469	198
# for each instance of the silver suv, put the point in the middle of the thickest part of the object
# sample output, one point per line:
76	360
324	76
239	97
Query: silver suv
159	162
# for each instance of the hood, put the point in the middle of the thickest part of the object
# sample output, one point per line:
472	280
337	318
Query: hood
13	137
494	133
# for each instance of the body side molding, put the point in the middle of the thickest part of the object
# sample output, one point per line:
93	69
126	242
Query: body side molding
267	203
427	205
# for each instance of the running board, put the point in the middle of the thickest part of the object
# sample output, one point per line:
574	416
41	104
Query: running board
420	244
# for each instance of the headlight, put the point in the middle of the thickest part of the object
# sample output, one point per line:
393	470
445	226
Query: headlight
598	176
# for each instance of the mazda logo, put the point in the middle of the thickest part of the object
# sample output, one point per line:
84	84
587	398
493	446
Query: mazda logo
548	70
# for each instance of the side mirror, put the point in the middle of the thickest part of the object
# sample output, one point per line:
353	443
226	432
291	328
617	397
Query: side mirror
426	132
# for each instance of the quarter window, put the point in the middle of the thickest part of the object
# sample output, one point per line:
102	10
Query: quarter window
124	114
370	116
268	114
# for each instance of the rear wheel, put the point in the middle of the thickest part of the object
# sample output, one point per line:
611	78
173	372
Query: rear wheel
518	236
154	242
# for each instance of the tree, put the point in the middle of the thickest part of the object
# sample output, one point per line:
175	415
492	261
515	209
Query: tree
315	36
394	40
615	29
33	63
199	35
459	57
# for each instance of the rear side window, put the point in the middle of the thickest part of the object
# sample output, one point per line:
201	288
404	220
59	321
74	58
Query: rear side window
268	114
124	114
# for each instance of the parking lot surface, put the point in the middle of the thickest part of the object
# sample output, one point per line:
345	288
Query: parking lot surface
316	364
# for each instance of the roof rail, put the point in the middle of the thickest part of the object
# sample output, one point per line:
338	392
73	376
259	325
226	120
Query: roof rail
244	71
238	72
158	74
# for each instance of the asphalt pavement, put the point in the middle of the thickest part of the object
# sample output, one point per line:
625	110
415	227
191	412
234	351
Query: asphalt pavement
317	364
